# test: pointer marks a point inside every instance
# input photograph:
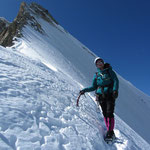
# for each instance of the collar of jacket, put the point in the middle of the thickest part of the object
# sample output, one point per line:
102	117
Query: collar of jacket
106	67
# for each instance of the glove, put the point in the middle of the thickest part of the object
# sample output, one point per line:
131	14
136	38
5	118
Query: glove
81	92
115	94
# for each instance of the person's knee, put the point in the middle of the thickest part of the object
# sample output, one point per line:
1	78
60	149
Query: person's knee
104	114
110	115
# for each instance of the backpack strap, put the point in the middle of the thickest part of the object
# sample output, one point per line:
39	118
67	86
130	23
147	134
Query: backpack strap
96	75
110	75
102	87
112	82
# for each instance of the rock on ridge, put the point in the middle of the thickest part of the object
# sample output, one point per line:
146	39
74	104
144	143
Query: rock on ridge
3	24
27	14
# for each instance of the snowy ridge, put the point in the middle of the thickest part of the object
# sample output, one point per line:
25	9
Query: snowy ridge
38	111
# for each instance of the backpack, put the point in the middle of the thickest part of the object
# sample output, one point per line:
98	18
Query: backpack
107	76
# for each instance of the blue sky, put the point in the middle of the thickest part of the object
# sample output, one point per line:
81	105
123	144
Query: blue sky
116	30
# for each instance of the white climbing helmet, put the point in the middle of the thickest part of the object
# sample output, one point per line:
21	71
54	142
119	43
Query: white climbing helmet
98	58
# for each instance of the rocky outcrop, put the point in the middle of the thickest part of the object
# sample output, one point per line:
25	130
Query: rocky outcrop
28	14
3	24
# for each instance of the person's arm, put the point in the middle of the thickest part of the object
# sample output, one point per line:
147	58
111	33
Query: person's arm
93	87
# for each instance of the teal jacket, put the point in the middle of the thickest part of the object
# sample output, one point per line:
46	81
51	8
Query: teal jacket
104	78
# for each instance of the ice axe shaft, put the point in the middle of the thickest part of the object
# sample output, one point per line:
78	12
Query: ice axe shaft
78	100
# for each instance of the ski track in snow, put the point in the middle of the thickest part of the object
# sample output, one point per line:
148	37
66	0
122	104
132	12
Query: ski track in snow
38	110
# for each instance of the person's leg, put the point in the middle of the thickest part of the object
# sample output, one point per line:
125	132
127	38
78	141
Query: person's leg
111	123
104	111
110	105
107	106
106	123
110	113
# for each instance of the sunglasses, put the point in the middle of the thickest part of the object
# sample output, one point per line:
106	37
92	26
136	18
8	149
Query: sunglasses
99	63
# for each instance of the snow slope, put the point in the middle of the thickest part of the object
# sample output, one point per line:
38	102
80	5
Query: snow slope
57	49
38	111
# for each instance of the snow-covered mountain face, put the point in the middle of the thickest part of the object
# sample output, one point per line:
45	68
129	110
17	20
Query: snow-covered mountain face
41	75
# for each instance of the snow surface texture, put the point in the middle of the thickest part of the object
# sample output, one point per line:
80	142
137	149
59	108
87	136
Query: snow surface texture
38	111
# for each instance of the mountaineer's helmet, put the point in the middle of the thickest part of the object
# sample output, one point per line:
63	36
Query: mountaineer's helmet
98	58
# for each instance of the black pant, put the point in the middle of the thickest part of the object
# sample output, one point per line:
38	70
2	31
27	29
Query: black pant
107	104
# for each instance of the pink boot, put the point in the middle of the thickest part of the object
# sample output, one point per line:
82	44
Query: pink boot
109	122
106	123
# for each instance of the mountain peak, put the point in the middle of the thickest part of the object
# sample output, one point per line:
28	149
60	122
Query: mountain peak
35	9
28	14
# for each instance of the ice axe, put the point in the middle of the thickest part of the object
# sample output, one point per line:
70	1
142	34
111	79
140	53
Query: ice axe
78	99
